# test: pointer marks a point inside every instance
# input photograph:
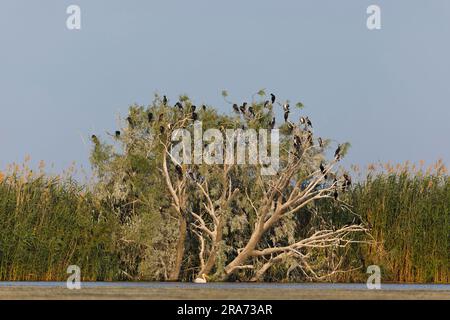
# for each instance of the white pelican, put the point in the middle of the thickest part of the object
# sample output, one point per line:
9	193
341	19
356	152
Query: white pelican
201	279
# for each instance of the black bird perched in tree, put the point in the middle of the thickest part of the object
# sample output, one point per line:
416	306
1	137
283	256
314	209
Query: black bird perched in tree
164	100
204	107
308	122
272	123
179	171
130	122
150	117
161	129
235	108
95	139
243	108
272	98
286	115
117	134
266	103
335	194
193	108
290	126
297	142
320	142
337	153
348	180
179	105
310	138
194	116
252	112
322	168
286	107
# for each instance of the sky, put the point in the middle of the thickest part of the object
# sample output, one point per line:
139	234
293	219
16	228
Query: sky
385	91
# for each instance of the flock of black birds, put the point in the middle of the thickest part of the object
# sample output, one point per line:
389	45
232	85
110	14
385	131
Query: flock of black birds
298	141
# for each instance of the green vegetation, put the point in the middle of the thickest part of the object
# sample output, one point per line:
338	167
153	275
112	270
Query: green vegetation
49	223
125	224
409	211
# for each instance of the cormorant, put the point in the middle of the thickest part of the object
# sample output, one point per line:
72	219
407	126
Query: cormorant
272	98
150	117
322	168
272	123
179	105
348	180
302	120
204	107
320	142
235	108
308	122
335	194
252	112
286	115
243	108
130	121
94	139
194	116
161	129
164	100
193	108
117	134
179	171
337	153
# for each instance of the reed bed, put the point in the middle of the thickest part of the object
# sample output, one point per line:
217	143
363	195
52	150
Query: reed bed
48	223
408	210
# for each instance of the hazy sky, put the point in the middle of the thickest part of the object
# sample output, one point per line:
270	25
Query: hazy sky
386	91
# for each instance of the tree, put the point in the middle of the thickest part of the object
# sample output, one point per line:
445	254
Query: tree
231	220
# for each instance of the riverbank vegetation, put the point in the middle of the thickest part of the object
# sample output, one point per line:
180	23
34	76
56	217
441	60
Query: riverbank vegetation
145	217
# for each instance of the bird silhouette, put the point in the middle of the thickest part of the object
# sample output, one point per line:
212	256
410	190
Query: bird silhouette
150	117
95	139
308	122
272	98
193	108
179	105
164	100
235	108
320	142
272	123
194	116
117	134
251	111
161	129
337	153
322	168
243	108
286	115
179	171
130	122
204	107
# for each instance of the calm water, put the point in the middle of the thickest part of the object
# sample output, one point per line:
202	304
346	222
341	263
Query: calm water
233	285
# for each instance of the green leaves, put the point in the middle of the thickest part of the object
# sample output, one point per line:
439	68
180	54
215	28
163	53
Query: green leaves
299	105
